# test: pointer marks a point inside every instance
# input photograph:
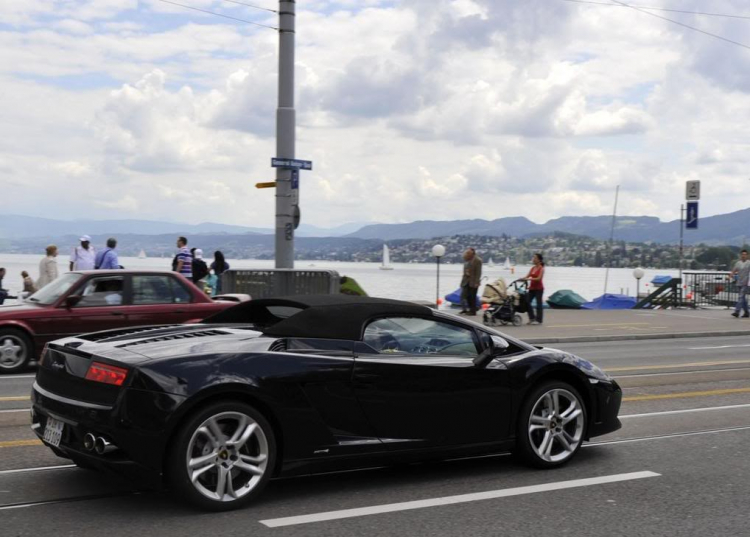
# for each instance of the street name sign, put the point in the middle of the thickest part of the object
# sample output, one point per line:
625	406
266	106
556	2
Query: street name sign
693	190
291	163
295	179
691	219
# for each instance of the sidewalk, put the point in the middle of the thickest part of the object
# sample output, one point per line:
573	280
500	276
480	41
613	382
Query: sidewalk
562	326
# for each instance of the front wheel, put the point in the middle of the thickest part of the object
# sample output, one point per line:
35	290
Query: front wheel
517	320
15	350
551	426
223	456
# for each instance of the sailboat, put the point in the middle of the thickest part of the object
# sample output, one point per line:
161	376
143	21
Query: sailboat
142	254
386	259
490	263
506	265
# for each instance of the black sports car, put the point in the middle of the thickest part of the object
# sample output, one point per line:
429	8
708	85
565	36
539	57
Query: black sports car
290	386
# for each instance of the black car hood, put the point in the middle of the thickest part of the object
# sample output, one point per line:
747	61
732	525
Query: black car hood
151	343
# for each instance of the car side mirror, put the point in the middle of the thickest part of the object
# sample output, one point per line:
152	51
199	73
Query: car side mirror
72	300
498	347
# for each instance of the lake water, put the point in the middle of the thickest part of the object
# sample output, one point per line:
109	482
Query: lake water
407	281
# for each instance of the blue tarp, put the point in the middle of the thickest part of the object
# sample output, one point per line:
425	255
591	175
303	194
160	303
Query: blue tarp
455	298
661	280
610	302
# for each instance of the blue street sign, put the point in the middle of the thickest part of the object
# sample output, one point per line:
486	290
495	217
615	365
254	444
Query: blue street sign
291	163
691	220
295	179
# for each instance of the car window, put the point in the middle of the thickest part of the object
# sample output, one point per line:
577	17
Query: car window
51	293
413	335
152	290
105	291
181	295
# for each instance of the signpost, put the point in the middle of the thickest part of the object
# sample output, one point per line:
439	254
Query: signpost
693	190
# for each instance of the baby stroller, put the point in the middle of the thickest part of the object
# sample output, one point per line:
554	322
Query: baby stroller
506	302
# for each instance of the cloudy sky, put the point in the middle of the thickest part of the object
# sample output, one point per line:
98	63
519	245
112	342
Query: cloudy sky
413	109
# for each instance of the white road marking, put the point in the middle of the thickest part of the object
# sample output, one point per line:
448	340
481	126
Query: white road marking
668	374
684	411
665	436
450	500
15	410
11	377
37	469
717	347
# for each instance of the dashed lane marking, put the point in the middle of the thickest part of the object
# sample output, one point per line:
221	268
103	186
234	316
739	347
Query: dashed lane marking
707	393
683	411
20	443
675	366
450	500
15	398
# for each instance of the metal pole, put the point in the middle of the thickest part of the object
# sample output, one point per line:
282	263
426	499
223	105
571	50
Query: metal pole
682	227
437	296
285	137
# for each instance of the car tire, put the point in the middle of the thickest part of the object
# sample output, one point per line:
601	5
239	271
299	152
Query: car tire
222	457
551	425
16	349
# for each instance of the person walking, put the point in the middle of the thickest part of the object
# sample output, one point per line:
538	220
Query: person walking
83	256
183	261
200	269
3	292
219	266
535	277
107	258
470	281
48	267
741	271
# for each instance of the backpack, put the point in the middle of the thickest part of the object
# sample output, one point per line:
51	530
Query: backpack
200	269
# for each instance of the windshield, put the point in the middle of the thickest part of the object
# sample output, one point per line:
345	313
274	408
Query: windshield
50	293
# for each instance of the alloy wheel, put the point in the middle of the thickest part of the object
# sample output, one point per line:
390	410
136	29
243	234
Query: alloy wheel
227	456
556	425
12	352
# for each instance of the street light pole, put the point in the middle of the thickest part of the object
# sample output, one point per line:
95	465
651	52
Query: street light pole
285	137
682	231
438	251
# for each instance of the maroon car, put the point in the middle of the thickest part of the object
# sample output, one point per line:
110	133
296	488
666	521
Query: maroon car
89	301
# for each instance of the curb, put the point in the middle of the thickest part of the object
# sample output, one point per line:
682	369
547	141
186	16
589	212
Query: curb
634	337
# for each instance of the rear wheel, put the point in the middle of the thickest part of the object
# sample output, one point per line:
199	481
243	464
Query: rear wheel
223	456
517	320
15	350
551	426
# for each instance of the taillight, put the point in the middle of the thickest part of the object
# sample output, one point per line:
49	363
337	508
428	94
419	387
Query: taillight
108	374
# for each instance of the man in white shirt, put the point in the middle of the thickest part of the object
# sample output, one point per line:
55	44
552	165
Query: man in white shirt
83	256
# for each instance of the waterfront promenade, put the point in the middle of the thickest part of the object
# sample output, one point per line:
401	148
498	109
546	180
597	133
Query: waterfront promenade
569	326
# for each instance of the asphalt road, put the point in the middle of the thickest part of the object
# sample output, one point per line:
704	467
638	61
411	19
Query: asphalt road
677	467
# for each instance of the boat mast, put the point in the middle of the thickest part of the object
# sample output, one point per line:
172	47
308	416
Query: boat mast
611	240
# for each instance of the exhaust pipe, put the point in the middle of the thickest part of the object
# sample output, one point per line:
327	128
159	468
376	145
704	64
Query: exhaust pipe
89	441
102	446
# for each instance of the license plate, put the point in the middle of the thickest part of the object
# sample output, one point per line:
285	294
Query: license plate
53	431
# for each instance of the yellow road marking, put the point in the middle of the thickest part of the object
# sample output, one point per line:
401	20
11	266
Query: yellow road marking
17	398
20	443
685	394
676	366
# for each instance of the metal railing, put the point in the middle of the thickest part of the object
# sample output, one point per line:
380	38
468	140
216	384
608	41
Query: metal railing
668	295
709	289
281	282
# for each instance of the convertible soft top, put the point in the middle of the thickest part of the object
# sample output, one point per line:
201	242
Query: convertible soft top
316	316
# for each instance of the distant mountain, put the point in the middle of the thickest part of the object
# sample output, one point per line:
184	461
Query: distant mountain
729	228
19	227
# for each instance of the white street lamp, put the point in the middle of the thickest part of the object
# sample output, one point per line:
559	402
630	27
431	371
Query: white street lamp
438	251
638	273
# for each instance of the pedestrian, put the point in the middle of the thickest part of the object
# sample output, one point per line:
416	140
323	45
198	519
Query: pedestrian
183	261
48	267
107	258
3	292
83	256
199	267
470	281
219	266
535	277
742	272
28	284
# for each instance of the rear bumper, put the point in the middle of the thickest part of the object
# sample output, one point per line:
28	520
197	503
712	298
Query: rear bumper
608	399
139	449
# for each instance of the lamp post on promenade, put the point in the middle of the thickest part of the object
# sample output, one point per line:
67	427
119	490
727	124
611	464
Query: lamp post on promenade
638	274
438	251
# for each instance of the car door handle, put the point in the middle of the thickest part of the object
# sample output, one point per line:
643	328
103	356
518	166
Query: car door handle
179	311
116	313
367	378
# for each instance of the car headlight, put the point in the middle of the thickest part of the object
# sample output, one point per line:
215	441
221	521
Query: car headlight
587	367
